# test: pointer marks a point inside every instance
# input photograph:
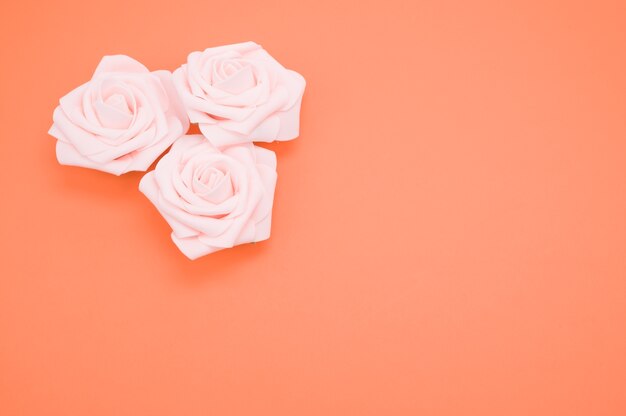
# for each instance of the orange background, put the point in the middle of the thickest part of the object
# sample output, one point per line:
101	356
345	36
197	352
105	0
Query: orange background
449	230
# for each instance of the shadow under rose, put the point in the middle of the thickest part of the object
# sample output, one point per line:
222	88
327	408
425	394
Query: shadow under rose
98	194
92	184
282	149
82	182
221	265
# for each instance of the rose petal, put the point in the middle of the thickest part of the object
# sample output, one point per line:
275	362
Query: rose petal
238	82
195	169
68	155
124	117
192	247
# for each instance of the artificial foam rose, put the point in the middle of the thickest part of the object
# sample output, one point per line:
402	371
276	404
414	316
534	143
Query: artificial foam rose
213	199
239	93
119	121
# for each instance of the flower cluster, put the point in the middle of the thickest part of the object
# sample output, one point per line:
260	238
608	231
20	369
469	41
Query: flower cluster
215	189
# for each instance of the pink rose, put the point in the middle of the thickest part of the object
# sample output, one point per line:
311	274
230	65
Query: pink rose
213	199
119	121
239	93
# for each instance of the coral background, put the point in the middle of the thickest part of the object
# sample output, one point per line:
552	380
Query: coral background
449	231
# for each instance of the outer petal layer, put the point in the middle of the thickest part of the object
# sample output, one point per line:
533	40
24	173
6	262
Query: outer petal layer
239	94
119	121
184	185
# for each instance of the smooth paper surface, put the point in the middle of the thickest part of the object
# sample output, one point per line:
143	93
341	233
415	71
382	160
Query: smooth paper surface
448	235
